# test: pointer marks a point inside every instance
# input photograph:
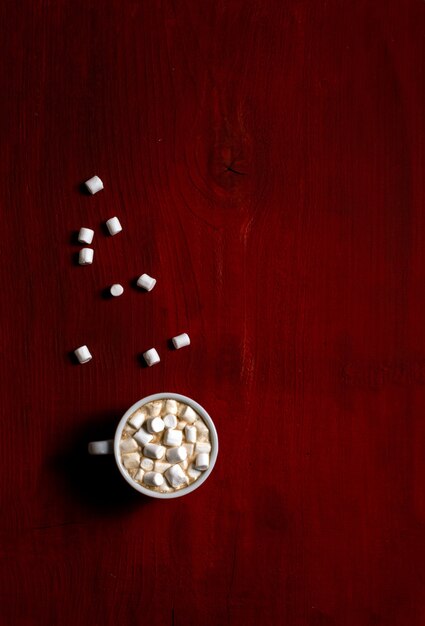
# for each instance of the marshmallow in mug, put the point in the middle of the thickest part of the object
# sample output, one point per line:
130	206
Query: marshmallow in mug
165	445
173	438
170	421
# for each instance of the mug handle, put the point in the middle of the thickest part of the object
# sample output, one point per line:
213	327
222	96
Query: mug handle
101	447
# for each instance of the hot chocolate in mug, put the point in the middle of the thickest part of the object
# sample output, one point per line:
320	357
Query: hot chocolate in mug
165	445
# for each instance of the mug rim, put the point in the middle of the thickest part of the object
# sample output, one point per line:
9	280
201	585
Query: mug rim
214	444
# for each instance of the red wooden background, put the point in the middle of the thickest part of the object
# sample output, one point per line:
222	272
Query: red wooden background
266	160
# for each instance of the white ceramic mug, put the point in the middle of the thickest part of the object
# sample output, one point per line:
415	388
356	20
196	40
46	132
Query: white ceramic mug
112	446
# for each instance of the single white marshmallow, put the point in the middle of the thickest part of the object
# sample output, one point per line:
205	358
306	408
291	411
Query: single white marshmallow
190	434
203	436
202	462
189	448
94	184
161	467
139	475
116	290
171	406
146	464
143	437
170	421
154	451
188	414
146	282
176	455
153	479
83	354
202	447
86	256
132	460
155	408
114	226
137	418
180	341
86	235
155	425
181	425
128	445
192	472
151	357
184	464
173	437
176	476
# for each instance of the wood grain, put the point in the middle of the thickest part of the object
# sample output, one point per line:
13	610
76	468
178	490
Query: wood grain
266	161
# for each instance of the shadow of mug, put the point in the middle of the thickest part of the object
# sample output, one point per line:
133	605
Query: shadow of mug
95	482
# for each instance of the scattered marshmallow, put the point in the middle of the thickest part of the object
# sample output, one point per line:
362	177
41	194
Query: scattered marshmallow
176	476
181	425
180	341
155	425
188	414
184	464
94	184
154	451
86	256
83	354
128	445
173	437
170	421
114	226
203	447
142	437
132	460
146	464
171	406
202	462
153	479
86	235
139	475
176	455
190	434
161	467
146	282
137	419
151	357
116	290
